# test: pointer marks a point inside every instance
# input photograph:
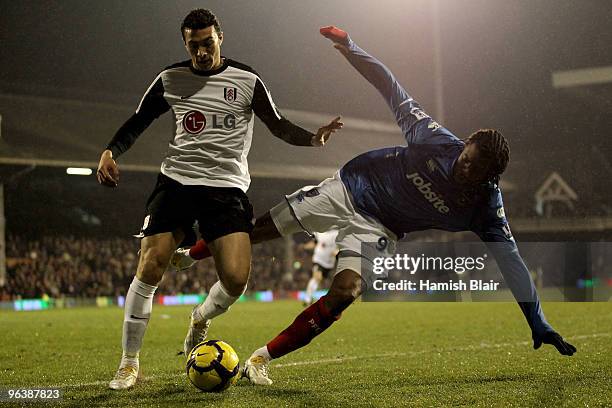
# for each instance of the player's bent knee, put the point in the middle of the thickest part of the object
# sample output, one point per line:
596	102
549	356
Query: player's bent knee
338	303
235	282
344	290
235	288
347	282
340	297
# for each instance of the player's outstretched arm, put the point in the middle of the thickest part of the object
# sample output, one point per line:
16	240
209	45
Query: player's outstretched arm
521	285
376	73
325	132
266	110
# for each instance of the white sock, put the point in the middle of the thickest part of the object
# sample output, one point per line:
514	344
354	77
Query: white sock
129	360
217	302
137	311
312	287
262	352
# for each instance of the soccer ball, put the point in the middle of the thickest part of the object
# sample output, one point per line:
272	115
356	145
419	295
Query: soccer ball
213	366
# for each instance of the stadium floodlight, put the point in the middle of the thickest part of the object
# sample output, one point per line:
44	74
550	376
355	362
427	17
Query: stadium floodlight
79	171
582	77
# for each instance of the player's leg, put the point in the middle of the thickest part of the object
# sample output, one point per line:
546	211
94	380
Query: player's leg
313	283
179	261
232	260
345	288
232	254
167	219
327	207
186	257
225	221
155	253
264	230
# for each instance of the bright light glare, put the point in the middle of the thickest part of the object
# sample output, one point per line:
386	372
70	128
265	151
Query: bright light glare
79	171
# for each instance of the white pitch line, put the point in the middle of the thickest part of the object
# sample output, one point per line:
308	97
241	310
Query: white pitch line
414	353
480	346
343	359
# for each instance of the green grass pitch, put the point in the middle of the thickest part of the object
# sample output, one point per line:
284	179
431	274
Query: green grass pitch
377	354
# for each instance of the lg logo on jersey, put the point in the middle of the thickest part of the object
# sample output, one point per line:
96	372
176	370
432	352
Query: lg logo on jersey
425	188
194	122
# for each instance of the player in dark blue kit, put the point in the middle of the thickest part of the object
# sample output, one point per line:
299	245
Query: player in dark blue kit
435	181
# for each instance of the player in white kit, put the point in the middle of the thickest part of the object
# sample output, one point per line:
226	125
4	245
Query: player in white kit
204	176
323	261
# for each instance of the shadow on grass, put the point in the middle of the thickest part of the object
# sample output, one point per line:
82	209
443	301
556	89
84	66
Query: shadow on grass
554	392
95	397
179	394
164	395
287	396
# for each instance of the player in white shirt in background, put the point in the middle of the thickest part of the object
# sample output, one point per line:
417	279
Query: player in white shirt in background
323	261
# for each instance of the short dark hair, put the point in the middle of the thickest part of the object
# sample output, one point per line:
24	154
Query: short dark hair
198	19
494	149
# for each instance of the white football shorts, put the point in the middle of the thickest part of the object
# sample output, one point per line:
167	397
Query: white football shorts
329	206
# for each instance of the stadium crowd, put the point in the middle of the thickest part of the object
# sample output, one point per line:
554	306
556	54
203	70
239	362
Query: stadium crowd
65	266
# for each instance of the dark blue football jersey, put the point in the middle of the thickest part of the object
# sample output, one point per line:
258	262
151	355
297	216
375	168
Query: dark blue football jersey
411	188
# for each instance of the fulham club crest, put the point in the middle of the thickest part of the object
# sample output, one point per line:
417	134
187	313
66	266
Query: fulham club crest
230	94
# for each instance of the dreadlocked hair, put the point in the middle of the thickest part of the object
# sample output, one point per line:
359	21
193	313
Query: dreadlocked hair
494	150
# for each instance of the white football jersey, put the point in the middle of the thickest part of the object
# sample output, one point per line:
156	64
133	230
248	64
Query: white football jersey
324	252
213	112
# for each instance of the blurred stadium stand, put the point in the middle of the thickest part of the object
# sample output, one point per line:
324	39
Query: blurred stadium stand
66	235
76	267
